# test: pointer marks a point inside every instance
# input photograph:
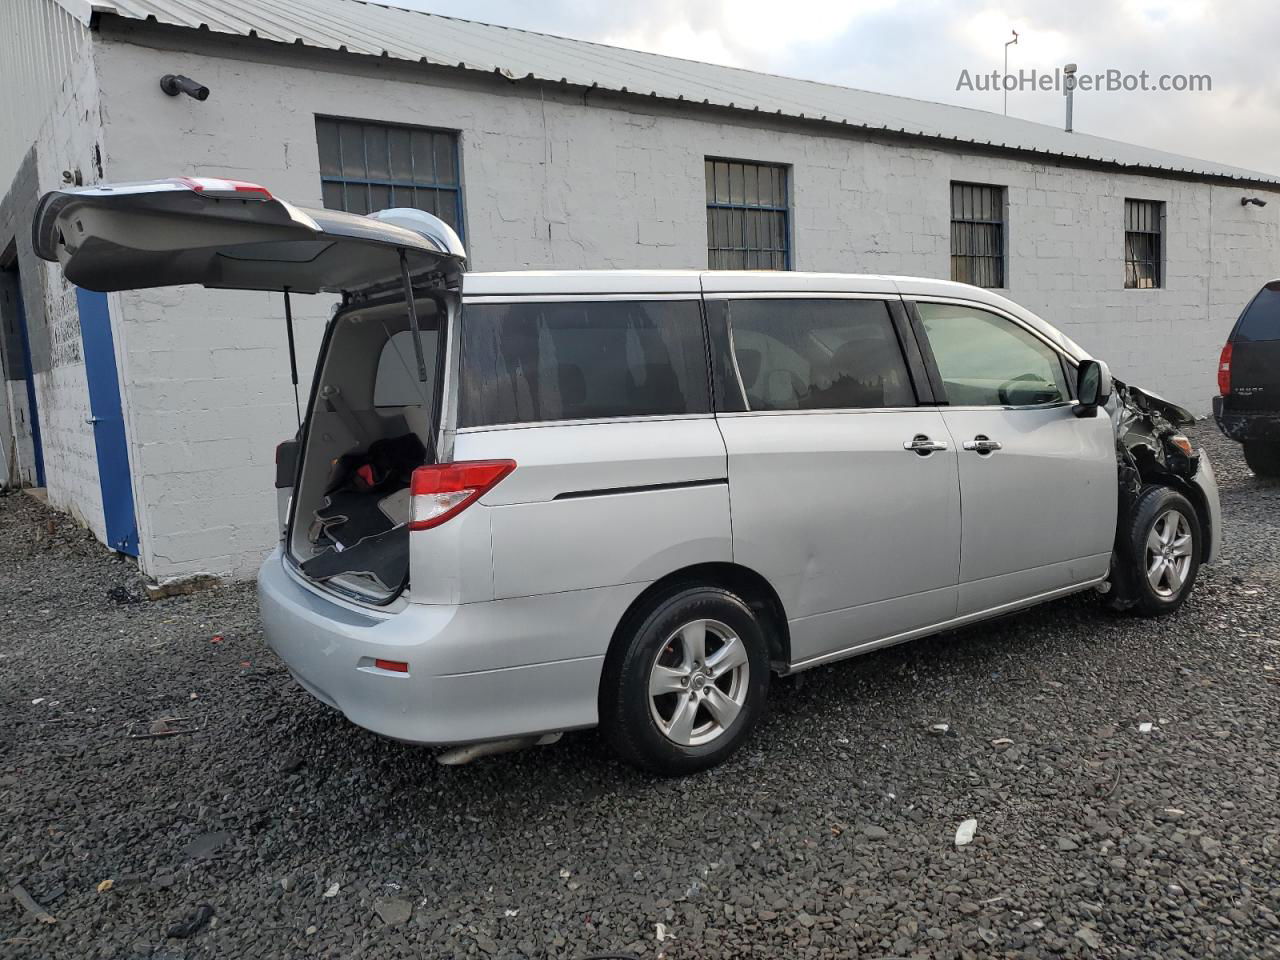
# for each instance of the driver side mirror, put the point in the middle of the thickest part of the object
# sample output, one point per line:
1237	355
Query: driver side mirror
1093	387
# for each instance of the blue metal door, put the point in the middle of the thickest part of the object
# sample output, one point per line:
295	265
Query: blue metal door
108	421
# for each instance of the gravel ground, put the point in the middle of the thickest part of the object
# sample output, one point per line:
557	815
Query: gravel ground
831	835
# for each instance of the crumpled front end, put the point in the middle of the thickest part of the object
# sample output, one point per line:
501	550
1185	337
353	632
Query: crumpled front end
1148	444
1150	449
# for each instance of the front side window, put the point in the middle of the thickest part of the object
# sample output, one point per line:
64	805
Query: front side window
1143	226
816	355
747	215
537	362
977	234
366	167
987	360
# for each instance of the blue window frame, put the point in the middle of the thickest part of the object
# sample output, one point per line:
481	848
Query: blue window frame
748	218
372	166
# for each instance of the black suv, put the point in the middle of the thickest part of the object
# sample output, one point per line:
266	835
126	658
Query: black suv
1248	409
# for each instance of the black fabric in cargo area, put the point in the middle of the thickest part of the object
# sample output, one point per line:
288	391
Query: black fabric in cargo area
388	464
361	526
353	508
384	557
349	517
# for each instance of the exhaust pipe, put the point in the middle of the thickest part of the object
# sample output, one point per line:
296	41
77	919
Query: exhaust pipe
457	756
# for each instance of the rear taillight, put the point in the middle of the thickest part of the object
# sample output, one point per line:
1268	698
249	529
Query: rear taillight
1224	371
444	490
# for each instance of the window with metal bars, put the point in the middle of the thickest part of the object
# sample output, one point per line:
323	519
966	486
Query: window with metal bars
977	234
1143	226
366	167
747	216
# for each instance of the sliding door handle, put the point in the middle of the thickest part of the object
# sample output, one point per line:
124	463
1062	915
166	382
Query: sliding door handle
924	446
982	444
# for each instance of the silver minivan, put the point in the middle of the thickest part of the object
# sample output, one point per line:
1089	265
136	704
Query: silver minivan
525	503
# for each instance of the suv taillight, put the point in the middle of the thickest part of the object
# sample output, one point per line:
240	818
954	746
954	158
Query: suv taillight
444	490
1224	371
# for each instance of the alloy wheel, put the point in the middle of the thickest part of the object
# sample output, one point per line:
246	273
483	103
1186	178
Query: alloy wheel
698	682
1168	554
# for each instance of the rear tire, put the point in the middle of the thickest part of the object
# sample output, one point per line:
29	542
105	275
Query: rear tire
686	682
1161	550
1263	457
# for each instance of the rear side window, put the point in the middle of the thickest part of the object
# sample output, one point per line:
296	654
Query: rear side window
580	360
816	355
1261	319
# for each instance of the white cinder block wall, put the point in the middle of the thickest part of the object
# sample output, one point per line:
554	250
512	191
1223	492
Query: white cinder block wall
65	142
67	437
549	181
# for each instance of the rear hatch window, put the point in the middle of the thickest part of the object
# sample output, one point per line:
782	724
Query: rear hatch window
1261	319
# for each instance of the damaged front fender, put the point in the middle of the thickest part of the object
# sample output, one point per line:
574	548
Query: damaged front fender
1151	450
1149	447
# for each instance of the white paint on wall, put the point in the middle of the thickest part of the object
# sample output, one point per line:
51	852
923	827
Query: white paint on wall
67	143
51	100
42	48
6	436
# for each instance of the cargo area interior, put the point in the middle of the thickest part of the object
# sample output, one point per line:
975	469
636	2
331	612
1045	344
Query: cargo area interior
370	427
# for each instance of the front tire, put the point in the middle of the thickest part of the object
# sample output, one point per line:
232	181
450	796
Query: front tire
1263	457
1161	551
687	683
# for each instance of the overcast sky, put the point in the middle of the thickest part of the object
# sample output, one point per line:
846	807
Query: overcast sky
919	48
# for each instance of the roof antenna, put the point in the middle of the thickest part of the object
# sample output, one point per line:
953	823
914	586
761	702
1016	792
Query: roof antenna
293	355
413	315
1004	79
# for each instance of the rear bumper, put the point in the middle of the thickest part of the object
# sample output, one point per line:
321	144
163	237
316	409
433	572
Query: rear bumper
1242	425
1207	484
460	687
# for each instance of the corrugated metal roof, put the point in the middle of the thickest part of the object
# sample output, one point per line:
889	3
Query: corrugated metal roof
368	28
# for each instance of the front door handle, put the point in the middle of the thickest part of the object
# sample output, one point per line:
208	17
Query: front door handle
982	444
924	446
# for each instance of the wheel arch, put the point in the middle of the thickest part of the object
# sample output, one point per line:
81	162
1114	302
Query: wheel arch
1201	504
1148	473
751	586
1163	478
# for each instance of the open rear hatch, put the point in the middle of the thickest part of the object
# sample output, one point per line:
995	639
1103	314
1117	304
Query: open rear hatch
232	235
349	507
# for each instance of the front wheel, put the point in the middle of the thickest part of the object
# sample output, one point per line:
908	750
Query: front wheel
1263	457
1161	551
687	683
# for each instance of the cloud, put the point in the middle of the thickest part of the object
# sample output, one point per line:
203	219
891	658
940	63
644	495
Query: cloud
746	33
918	49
